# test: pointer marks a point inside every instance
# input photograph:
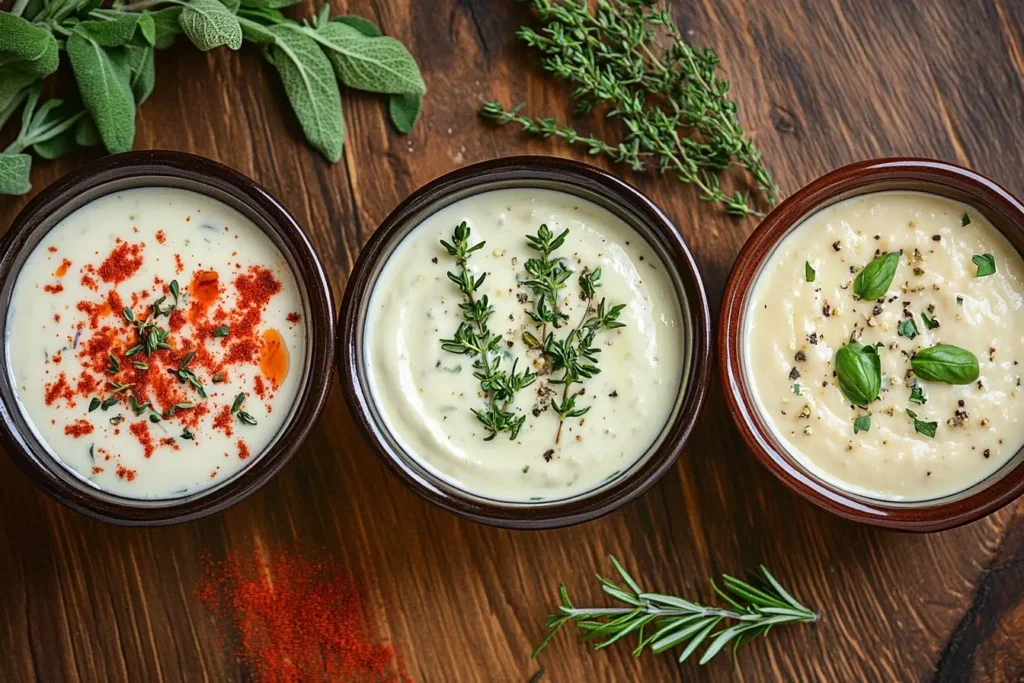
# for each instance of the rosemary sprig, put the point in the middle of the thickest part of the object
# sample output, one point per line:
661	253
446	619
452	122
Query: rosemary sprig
474	339
671	621
575	355
629	58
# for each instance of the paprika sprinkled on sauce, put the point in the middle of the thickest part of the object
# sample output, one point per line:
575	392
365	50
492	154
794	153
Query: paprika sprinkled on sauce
296	619
156	326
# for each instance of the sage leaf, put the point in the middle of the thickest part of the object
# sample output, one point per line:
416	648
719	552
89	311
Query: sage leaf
209	24
809	272
52	133
311	88
104	80
862	424
946	363
167	24
12	85
873	282
25	48
147	28
361	24
15	170
268	4
143	72
57	146
114	33
255	32
232	5
86	133
859	371
922	427
404	110
986	264
379	64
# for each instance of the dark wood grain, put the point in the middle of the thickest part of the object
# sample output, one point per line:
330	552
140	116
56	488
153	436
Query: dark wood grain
821	83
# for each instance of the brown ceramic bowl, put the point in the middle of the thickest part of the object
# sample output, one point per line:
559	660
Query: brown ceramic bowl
1004	211
565	176
168	169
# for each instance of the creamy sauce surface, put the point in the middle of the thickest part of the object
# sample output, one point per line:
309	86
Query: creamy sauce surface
160	402
426	394
794	328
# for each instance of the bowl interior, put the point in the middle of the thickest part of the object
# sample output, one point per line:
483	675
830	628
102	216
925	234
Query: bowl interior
1000	208
62	199
653	228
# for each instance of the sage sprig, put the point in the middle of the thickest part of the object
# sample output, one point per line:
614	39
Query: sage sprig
111	54
859	371
629	58
662	622
946	363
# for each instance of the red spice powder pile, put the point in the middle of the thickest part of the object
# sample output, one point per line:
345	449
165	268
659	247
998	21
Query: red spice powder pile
296	619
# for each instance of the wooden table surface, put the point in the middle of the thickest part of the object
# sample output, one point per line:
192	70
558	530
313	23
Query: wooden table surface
820	84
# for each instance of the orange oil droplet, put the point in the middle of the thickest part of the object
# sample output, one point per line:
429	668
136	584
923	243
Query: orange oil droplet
274	357
205	287
62	268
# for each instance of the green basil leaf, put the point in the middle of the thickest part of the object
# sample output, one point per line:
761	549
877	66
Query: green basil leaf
15	170
167	24
946	363
859	371
922	427
361	24
862	424
311	88
143	72
809	271
25	48
873	282
907	328
268	4
404	110
209	24
986	264
104	80
86	133
965	220
379	64
112	33
917	395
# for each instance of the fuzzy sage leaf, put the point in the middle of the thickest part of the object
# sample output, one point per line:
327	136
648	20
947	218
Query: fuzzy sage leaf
15	170
873	282
859	371
104	80
404	110
375	64
946	363
209	24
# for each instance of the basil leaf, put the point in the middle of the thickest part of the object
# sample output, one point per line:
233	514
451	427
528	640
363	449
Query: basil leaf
907	328
209	24
917	395
922	427
930	323
167	23
862	424
25	48
380	64
404	110
965	220
361	24
113	33
143	72
14	173
859	371
104	80
311	88
873	282
945	363
809	271
986	264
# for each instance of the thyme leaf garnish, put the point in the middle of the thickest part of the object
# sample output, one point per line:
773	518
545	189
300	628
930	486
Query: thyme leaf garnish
474	339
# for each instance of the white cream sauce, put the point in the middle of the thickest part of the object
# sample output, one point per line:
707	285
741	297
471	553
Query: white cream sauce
795	327
124	250
426	394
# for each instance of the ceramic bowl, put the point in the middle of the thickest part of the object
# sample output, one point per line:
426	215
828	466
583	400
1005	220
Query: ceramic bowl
1004	211
565	176
168	169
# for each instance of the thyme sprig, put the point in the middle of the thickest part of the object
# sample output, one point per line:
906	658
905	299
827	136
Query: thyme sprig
548	277
673	108
474	339
575	355
662	622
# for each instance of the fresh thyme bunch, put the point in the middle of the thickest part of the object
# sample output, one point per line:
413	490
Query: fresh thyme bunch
671	621
547	277
575	355
475	340
674	110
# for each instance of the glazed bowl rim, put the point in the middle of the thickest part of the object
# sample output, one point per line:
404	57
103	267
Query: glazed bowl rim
432	197
205	176
885	174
